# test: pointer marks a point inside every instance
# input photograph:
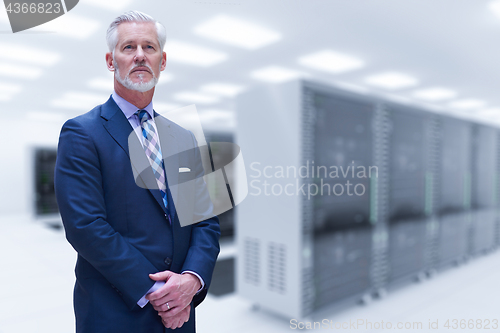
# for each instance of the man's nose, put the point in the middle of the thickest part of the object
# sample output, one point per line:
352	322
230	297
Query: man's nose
139	54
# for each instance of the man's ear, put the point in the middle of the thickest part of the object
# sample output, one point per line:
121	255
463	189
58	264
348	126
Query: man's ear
163	61
109	62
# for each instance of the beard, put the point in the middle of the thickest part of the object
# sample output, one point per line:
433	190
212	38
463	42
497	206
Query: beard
138	86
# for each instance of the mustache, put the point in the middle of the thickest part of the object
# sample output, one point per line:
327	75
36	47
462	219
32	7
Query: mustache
141	64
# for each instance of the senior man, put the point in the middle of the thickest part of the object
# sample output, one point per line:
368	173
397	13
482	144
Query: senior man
137	270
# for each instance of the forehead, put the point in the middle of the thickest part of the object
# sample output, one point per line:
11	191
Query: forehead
136	32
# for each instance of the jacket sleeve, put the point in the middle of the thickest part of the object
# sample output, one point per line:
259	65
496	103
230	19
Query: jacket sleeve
80	196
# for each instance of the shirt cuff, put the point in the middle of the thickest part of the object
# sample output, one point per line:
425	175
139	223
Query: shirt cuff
199	278
143	301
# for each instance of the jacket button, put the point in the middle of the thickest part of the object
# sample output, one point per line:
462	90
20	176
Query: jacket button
167	261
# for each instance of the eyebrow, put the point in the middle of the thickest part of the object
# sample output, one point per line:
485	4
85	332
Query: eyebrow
133	42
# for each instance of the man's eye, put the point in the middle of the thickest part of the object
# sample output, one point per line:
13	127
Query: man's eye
128	47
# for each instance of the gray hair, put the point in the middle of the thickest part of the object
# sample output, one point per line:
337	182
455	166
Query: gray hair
133	16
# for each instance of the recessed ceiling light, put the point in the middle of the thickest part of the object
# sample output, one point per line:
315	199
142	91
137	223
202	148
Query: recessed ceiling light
218	118
102	83
495	7
28	54
71	25
237	32
391	81
193	55
10	88
44	116
165	107
79	100
435	94
193	97
223	89
467	104
398	98
20	72
331	62
113	5
164	78
351	87
275	74
491	112
5	97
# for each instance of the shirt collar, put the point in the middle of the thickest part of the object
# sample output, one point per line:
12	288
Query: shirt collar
128	108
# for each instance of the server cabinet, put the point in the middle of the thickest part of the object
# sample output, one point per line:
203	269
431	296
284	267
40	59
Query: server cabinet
306	230
45	196
483	189
226	219
455	190
343	134
408	220
420	205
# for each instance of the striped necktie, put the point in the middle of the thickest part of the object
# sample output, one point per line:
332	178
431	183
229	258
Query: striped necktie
153	152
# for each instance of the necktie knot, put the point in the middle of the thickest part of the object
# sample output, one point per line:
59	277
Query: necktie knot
143	116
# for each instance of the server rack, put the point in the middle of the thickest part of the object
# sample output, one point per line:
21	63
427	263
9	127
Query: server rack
409	202
342	237
226	219
300	253
483	190
45	196
454	196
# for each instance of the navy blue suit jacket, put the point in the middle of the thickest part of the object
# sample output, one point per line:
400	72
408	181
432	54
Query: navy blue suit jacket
120	230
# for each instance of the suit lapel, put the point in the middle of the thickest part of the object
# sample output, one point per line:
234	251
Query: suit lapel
117	125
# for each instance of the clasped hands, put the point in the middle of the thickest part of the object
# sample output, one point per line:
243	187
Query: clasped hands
178	292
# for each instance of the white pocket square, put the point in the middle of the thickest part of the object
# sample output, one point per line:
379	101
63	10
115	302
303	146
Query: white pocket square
184	170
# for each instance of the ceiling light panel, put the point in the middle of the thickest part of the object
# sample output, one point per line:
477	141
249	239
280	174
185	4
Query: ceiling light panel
237	32
20	72
493	112
495	7
165	107
79	100
102	83
44	116
275	74
330	61
28	54
192	54
391	81
5	97
467	104
9	88
112	5
435	94
164	78
222	89
193	97
215	114
71	25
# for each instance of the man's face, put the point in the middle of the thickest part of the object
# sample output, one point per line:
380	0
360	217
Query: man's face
137	59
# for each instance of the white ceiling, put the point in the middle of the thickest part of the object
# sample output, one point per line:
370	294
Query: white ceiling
440	43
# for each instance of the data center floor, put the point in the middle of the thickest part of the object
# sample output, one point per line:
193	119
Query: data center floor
36	279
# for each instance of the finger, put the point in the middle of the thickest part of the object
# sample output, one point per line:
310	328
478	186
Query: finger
172	312
174	324
164	300
168	306
168	323
161	276
163	291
